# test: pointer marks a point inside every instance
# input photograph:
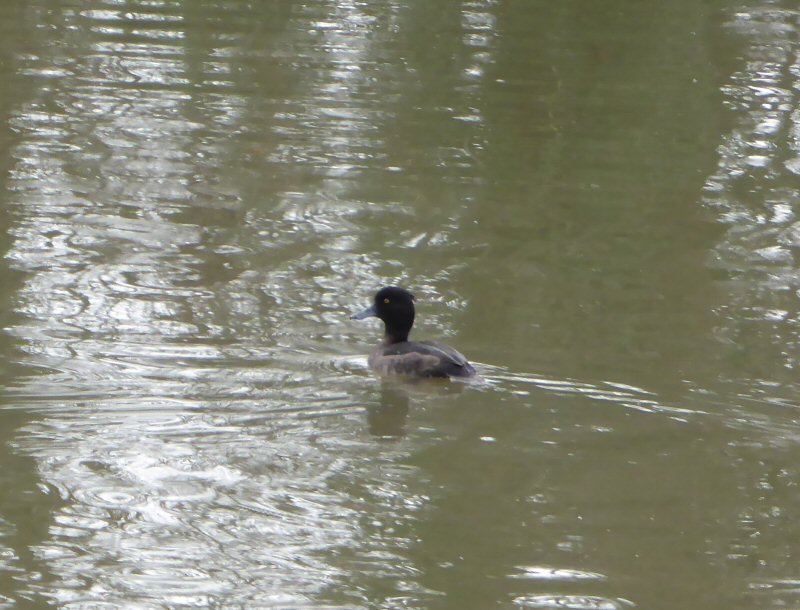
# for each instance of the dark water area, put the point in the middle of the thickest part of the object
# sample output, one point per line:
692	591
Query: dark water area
594	202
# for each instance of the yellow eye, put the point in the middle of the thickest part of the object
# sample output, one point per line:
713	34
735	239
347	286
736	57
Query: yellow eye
386	301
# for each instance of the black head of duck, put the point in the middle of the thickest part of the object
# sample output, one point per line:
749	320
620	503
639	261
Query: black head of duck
394	306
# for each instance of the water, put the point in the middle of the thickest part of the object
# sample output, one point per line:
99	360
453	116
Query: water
597	204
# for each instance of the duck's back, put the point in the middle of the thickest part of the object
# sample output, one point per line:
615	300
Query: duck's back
420	359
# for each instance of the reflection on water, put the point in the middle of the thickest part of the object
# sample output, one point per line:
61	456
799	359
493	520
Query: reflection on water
26	506
388	418
754	192
199	194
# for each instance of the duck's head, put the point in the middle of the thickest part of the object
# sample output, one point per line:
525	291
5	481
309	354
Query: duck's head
395	307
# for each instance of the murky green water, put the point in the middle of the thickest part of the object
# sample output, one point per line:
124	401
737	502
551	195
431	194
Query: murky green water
596	202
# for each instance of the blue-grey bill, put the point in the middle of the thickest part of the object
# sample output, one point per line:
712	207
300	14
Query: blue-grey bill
367	313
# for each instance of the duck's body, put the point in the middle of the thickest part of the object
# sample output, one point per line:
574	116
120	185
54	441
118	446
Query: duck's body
396	354
419	359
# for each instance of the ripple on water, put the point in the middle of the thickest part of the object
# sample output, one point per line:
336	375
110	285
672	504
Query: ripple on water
572	602
624	395
547	573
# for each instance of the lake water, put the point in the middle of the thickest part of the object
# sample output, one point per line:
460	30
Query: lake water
597	202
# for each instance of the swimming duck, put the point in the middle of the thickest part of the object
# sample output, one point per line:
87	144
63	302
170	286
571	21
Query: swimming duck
396	354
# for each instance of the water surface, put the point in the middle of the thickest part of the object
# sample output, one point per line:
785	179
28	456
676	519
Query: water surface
595	203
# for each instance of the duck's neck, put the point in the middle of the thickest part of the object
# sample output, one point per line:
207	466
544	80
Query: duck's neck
395	333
